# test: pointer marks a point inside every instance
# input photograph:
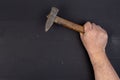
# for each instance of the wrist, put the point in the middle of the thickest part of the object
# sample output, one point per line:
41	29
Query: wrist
98	58
97	54
96	51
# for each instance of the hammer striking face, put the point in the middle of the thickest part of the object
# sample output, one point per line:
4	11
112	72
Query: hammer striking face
52	17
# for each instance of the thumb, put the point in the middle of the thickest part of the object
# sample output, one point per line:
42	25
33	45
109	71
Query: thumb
87	26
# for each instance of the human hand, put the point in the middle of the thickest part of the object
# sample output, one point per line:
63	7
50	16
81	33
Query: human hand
94	38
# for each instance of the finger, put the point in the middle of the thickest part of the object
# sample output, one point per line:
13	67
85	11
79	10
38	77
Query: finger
99	28
95	27
87	26
102	29
81	34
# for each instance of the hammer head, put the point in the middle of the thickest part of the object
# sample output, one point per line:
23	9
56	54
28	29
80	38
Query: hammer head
51	18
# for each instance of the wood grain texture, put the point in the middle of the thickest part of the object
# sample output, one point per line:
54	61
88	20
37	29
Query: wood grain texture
69	24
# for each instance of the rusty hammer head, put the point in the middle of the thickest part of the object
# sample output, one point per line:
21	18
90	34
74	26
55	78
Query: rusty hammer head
51	18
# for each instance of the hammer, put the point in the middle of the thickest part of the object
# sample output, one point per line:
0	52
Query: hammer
52	17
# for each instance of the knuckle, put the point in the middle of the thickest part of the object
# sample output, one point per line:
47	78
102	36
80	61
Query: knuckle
104	34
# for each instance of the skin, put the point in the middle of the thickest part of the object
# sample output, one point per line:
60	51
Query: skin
95	39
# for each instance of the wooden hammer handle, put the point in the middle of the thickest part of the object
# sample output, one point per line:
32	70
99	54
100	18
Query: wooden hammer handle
69	24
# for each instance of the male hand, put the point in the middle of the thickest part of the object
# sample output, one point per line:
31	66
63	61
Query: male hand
94	38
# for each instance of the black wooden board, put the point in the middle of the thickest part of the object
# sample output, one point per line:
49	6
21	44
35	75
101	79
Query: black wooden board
29	53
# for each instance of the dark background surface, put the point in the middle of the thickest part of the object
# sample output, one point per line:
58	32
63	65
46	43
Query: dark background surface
27	52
